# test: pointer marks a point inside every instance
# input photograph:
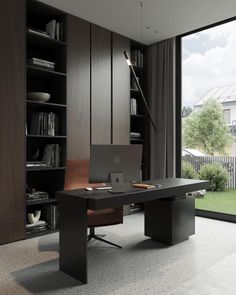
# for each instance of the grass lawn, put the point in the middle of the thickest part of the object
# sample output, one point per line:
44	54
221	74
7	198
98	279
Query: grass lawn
224	202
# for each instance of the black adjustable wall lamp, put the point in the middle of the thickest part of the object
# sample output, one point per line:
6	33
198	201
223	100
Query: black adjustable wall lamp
140	89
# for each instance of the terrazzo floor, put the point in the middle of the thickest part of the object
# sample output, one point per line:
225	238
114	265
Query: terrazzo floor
205	264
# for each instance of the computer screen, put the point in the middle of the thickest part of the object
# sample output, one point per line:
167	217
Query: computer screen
107	159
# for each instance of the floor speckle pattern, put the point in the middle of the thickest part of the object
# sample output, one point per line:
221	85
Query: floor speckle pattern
205	264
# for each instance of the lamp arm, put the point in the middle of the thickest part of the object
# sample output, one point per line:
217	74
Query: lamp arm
140	90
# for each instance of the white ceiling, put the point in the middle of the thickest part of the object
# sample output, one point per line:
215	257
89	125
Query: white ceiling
168	17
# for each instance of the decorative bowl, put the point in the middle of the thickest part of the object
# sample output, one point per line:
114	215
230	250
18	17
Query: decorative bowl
39	96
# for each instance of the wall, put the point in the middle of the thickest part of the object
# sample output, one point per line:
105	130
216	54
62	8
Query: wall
98	88
12	121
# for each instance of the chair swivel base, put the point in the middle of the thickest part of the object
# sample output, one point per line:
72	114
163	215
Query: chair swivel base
96	237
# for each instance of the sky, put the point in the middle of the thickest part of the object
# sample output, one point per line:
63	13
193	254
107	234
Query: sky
208	61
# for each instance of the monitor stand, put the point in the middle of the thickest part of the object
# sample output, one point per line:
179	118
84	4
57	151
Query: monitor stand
117	182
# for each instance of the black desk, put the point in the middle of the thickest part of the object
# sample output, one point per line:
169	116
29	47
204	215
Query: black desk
169	217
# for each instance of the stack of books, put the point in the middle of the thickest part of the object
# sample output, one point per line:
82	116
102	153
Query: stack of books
50	214
36	227
36	164
52	155
49	65
137	58
44	124
37	196
135	135
133	106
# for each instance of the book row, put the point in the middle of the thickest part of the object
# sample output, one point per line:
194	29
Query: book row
46	156
137	58
44	124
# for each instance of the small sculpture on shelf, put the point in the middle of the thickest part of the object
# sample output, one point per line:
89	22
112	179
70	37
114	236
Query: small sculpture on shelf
34	217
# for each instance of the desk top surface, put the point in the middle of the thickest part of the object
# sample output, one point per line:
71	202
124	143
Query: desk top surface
169	187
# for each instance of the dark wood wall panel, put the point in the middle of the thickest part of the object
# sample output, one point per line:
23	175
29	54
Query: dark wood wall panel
12	121
101	85
121	91
78	88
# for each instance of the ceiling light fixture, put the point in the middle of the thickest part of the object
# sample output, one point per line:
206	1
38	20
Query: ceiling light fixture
141	21
133	71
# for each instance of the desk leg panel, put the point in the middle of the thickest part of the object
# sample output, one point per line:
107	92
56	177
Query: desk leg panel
73	238
170	220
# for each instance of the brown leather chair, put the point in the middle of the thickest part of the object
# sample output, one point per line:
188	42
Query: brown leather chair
77	176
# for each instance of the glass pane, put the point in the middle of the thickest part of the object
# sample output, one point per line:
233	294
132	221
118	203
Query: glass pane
209	115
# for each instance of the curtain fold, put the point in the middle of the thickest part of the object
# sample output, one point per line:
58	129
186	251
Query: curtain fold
162	101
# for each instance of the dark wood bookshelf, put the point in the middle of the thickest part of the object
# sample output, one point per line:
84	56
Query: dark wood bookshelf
39	79
139	122
48	201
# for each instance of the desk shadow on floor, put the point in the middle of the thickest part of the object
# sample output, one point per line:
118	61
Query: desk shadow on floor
49	243
149	244
44	277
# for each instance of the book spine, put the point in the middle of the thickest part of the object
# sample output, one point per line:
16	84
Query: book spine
51	28
58	31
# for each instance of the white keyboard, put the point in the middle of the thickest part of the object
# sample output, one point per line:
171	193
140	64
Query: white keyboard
101	188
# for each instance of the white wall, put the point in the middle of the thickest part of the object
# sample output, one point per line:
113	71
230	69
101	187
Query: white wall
232	109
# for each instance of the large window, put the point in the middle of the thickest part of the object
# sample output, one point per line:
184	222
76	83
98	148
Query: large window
208	113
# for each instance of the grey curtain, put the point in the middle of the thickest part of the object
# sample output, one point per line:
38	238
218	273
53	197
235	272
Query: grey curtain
161	66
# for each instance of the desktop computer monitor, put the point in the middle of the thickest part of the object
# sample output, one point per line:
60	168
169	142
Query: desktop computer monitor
106	160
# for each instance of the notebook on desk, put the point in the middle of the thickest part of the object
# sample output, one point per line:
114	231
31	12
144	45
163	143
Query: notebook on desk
145	185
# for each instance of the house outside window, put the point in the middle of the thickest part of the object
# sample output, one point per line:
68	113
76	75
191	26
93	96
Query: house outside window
227	115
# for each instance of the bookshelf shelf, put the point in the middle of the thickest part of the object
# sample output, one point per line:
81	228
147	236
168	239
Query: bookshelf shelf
137	116
43	42
46	136
44	169
33	70
45	104
137	140
49	201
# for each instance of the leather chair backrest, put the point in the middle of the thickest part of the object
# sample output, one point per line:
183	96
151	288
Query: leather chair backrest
77	174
